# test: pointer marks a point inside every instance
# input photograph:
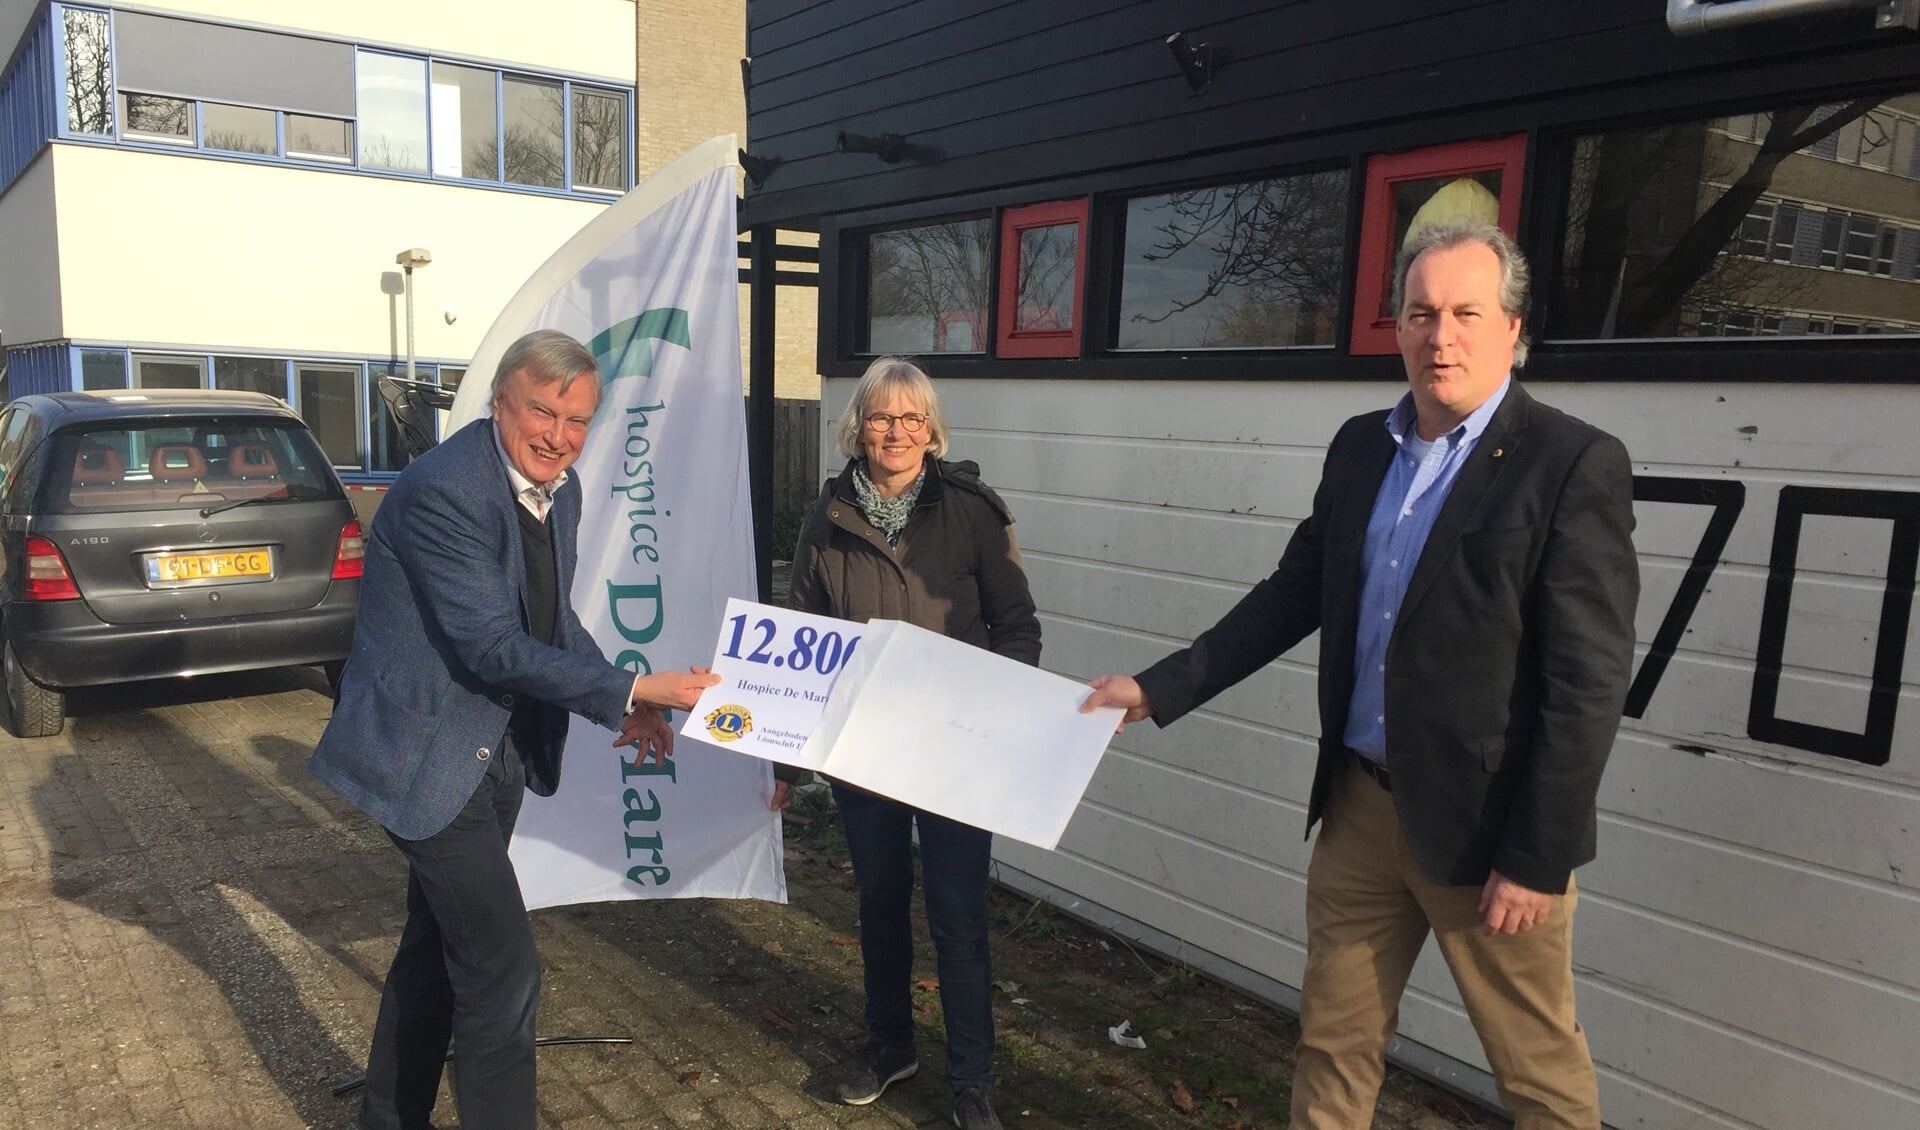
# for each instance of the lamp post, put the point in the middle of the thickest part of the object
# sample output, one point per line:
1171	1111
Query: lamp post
409	259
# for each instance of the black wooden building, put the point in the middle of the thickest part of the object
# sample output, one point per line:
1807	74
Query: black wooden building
1141	246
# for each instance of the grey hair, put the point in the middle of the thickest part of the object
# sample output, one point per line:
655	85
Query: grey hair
547	356
882	378
1516	280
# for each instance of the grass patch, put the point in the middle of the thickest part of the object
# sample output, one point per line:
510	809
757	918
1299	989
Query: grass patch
813	822
1019	1049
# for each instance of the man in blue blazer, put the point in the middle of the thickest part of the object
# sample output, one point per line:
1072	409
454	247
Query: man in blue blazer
1469	566
467	661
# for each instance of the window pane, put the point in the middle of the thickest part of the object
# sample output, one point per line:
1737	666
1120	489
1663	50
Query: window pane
329	403
89	73
251	374
1474	198
1877	132
1047	266
599	139
534	136
1858	255
392	99
320	138
13	433
464	124
283	466
1255	265
169	372
928	288
450	378
102	369
390	452
238	66
1658	245
153	118
239	129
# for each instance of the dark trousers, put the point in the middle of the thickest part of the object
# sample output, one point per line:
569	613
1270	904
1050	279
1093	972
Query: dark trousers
466	970
953	862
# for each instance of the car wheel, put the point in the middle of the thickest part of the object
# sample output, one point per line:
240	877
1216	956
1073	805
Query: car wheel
33	711
334	670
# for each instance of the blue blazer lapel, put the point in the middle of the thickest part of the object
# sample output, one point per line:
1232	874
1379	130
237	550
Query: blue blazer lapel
566	520
488	476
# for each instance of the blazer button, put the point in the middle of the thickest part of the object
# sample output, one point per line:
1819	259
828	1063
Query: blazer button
506	700
483	753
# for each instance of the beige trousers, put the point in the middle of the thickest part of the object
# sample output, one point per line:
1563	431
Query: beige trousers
1369	910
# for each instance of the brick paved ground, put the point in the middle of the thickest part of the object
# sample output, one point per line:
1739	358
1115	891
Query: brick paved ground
194	933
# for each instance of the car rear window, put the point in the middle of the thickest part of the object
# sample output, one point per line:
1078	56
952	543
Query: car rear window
125	465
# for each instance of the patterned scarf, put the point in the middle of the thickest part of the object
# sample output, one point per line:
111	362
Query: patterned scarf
888	515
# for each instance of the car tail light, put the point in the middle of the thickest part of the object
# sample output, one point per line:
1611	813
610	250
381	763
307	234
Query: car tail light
350	558
47	577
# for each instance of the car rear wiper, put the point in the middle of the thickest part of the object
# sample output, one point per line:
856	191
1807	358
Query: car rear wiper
223	507
297	495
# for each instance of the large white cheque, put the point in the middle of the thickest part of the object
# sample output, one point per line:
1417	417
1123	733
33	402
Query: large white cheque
910	714
776	667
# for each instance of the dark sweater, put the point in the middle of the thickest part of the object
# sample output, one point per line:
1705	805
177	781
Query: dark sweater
542	599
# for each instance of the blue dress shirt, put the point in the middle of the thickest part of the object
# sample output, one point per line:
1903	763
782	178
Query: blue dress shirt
1415	487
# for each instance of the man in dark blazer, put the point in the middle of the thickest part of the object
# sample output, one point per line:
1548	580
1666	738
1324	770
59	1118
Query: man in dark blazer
467	661
1470	568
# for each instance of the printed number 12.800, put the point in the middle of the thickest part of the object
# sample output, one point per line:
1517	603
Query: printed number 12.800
810	651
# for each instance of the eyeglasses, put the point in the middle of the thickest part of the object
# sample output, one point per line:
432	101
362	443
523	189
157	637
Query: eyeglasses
913	423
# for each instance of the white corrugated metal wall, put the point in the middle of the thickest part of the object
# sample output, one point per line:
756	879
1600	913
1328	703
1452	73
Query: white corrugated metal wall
1749	939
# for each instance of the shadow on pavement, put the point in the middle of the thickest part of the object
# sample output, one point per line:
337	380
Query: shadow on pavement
232	855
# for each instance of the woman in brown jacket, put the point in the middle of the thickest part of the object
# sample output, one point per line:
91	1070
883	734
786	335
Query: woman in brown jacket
901	534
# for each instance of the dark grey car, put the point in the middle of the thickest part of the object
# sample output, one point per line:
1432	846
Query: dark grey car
160	533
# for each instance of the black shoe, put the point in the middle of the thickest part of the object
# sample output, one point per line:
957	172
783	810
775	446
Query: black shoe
877	1069
972	1111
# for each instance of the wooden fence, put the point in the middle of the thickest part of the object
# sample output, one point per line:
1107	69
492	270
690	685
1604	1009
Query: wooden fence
797	469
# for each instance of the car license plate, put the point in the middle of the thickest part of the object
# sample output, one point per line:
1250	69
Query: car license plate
224	565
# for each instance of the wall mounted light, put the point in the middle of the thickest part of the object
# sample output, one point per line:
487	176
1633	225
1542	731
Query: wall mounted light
1195	60
758	169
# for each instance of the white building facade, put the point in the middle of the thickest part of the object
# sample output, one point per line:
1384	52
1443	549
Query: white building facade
193	198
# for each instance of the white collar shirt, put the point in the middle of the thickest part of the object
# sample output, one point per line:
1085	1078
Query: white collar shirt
536	498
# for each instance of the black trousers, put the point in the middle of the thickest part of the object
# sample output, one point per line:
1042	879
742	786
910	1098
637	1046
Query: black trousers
954	860
466	970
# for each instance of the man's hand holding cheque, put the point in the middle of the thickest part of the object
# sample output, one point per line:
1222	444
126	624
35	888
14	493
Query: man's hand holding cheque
673	690
1121	691
645	727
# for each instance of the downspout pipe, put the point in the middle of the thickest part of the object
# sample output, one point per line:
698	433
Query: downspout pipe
1697	17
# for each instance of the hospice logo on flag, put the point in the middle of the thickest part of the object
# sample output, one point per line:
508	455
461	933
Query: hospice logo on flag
651	286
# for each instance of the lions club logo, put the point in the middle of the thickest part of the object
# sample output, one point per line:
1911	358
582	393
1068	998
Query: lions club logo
729	723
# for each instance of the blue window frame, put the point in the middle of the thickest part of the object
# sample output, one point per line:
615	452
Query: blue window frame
27	100
338	396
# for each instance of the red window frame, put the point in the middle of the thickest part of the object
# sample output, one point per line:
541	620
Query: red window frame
1009	342
1374	334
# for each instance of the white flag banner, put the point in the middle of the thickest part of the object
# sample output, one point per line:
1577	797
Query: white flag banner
666	537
